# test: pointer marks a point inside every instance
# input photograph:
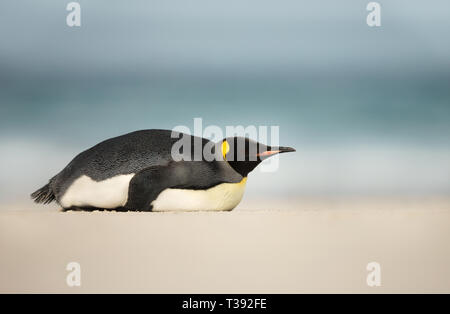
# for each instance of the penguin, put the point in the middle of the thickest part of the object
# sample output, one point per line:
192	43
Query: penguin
144	171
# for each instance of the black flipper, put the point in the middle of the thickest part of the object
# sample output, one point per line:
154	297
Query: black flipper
146	185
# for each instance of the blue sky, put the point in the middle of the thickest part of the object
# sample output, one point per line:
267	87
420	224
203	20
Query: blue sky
367	108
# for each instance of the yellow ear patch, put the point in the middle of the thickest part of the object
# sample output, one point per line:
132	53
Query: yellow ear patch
225	149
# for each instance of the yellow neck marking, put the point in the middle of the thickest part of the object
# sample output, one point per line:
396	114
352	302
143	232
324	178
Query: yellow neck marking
225	149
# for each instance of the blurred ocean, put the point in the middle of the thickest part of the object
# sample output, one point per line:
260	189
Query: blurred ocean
368	110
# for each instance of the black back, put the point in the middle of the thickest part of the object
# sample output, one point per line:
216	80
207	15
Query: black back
132	153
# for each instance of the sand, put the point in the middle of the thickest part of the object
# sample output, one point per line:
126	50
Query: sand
296	246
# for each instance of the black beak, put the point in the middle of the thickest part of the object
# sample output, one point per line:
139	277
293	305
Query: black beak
275	150
286	149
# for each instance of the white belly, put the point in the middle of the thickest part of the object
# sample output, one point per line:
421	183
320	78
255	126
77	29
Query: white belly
109	193
225	196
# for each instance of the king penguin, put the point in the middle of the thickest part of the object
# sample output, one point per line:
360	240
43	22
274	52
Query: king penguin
144	171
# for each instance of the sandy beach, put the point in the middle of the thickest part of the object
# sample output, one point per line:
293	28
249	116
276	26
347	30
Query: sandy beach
305	245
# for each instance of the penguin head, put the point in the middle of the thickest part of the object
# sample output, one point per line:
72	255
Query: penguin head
244	154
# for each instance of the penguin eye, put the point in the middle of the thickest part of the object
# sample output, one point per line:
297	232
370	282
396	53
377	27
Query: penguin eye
225	149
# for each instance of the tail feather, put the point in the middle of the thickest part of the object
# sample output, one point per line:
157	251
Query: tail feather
44	195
